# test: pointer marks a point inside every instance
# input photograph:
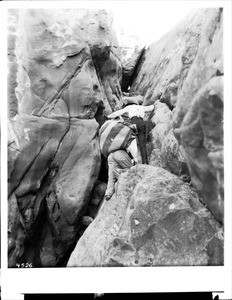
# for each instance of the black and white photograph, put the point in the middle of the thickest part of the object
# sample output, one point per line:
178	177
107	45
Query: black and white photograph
116	140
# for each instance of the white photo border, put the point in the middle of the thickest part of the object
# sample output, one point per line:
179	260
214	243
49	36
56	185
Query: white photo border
16	282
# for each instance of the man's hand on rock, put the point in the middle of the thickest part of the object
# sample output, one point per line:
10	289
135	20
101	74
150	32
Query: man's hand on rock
107	197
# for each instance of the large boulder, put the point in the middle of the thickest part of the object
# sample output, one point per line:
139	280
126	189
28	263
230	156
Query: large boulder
52	178
58	86
57	54
184	70
153	219
198	119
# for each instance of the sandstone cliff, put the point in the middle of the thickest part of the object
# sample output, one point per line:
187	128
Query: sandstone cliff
184	69
64	74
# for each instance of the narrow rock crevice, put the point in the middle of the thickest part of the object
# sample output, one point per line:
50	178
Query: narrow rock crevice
128	76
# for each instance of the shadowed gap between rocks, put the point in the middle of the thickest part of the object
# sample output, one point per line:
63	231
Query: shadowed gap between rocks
127	79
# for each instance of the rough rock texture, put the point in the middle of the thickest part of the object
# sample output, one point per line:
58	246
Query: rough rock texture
154	219
64	75
96	198
198	120
167	61
54	57
184	69
166	152
109	69
53	177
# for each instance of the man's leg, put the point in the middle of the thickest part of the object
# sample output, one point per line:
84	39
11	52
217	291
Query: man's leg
142	146
111	177
117	162
141	127
134	151
123	160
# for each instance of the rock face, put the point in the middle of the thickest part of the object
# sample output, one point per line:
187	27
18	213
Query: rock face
153	219
166	152
167	61
184	70
58	52
200	127
96	198
64	74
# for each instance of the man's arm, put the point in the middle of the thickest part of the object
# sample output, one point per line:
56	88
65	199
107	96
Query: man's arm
149	108
117	113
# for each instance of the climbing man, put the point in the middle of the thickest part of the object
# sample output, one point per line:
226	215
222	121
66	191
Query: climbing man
136	114
118	162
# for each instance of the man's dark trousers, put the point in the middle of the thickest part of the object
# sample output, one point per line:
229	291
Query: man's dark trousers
141	128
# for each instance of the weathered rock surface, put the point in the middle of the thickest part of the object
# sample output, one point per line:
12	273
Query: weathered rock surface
198	119
108	66
153	219
165	152
64	72
184	69
55	177
161	73
201	134
96	198
54	57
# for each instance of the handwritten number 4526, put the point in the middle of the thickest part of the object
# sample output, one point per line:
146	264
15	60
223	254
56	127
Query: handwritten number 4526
24	265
